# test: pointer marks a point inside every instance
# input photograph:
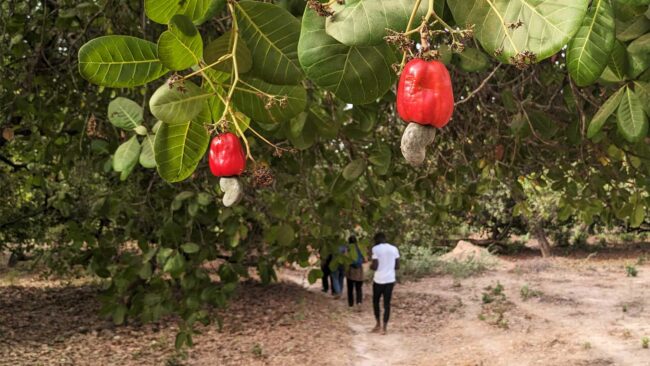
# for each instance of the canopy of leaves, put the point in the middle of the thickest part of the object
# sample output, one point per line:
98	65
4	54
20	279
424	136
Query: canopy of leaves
571	129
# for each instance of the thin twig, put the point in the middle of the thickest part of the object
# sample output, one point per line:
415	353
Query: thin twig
483	83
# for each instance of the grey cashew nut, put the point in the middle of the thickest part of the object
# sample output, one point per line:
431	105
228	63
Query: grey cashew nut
233	189
415	140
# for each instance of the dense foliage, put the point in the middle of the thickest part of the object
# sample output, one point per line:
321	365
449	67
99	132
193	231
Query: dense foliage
551	100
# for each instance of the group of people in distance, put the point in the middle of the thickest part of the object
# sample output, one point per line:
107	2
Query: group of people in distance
385	261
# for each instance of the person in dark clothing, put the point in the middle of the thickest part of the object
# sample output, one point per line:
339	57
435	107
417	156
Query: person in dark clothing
385	260
325	268
354	275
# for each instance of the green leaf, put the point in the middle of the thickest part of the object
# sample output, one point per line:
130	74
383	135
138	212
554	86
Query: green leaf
547	25
145	271
631	118
247	100
381	157
140	130
178	103
162	11
285	234
271	34
357	75
178	149
638	216
119	61
642	89
181	339
354	169
589	50
147	156
639	55
627	30
604	112
126	155
125	113
314	275
301	131
190	248
224	45
617	66
181	46
364	22
175	265
473	60
119	314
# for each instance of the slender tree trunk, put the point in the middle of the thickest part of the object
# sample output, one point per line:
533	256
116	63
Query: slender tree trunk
544	245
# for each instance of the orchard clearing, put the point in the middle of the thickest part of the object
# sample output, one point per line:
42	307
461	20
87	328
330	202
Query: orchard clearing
580	309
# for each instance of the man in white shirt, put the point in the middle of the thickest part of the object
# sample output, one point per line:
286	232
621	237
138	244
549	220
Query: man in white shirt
385	260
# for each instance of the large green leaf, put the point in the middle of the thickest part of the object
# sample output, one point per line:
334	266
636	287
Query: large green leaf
125	113
547	25
364	22
356	75
473	60
631	118
126	155
161	11
289	100
271	34
179	103
147	156
178	149
589	50
604	112
119	61
224	45
639	55
181	46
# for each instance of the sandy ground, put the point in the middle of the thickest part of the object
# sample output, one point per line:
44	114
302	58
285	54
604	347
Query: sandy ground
585	312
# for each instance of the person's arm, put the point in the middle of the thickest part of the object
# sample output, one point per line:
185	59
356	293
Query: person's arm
374	265
396	263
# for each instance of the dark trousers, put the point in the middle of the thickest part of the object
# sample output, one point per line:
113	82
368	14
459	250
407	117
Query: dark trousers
354	285
326	278
379	290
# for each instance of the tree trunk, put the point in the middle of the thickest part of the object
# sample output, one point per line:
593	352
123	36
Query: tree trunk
544	245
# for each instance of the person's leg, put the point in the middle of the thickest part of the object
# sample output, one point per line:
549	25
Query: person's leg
336	285
326	278
341	277
350	293
388	294
376	293
359	287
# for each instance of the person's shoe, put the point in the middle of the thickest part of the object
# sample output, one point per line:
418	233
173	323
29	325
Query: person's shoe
383	331
336	296
376	329
358	308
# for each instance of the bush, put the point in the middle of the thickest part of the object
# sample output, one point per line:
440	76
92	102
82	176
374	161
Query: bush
417	262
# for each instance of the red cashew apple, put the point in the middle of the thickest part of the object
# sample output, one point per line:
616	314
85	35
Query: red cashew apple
424	93
226	157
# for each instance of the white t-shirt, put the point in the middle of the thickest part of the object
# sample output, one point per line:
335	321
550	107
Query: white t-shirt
385	254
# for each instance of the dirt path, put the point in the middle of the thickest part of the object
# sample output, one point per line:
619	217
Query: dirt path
579	314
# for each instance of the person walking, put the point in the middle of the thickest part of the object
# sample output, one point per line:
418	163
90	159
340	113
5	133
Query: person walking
338	272
385	260
325	268
354	275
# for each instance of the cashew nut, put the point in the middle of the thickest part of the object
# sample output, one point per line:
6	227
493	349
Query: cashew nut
233	189
415	140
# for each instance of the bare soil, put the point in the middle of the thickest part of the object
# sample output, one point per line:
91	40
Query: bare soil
579	311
